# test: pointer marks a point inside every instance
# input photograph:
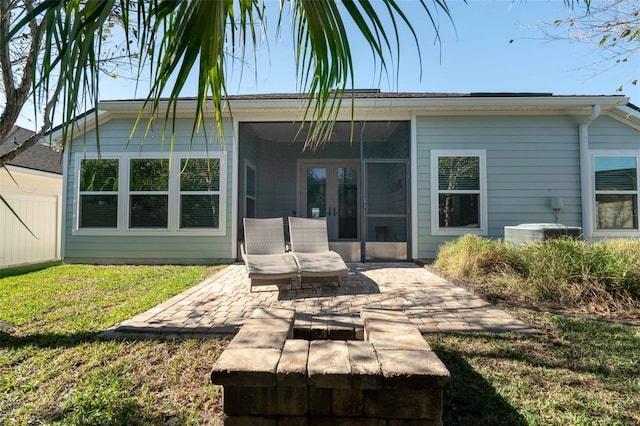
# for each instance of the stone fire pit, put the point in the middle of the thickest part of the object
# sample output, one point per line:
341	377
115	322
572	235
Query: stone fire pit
392	377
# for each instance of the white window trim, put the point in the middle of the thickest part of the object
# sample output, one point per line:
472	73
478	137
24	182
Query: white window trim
435	228
77	193
615	233
174	196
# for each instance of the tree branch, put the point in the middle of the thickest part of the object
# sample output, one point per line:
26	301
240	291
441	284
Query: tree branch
17	96
5	56
46	125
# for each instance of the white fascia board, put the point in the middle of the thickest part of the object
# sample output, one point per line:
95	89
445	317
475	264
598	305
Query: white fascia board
32	172
298	115
626	115
135	108
83	124
575	104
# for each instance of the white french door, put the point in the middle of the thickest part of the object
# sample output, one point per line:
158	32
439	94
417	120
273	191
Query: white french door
331	189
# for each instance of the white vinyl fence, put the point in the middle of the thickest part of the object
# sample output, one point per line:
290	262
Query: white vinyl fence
42	216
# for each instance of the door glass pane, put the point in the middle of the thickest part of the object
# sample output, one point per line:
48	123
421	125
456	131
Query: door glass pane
251	207
251	181
347	202
316	191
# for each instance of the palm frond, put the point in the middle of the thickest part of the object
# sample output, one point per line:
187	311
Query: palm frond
187	36
181	38
16	215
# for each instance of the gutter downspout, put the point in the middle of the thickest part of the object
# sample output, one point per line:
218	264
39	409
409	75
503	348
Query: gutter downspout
585	174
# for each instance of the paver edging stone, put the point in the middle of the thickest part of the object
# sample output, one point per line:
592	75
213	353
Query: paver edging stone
391	377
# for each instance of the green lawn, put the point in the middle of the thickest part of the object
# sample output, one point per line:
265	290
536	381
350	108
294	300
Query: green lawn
575	372
55	370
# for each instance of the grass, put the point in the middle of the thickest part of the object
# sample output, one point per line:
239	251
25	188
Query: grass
598	279
55	370
577	370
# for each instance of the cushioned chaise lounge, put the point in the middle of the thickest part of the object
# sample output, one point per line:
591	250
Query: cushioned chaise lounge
265	255
310	246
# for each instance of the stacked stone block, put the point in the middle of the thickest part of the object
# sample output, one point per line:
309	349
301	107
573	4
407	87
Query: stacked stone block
391	378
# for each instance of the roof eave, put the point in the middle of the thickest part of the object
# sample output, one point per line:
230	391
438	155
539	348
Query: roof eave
627	114
574	104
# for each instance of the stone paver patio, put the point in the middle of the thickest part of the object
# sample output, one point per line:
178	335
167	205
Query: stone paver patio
220	304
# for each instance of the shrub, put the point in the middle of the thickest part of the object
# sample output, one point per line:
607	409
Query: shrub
573	274
471	256
621	272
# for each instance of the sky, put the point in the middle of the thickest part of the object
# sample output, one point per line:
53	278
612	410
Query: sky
487	46
491	46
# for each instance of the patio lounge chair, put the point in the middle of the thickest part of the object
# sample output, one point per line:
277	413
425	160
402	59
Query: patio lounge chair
265	255
310	246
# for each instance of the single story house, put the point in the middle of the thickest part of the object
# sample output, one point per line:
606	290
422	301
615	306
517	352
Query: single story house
32	185
411	171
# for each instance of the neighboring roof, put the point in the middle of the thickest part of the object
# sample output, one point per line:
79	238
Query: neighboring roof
38	157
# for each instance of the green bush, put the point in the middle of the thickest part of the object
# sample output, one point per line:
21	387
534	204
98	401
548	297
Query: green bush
471	256
560	271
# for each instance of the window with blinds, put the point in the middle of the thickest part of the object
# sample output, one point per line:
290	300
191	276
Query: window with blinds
199	193
159	195
458	191
148	193
98	195
616	192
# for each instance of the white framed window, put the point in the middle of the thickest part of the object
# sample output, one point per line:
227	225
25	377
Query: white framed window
199	193
458	192
146	194
616	192
98	193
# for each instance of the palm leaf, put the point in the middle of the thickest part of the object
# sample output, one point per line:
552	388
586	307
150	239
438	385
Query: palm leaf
179	37
14	213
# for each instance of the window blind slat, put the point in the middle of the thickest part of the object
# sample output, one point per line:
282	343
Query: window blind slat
458	173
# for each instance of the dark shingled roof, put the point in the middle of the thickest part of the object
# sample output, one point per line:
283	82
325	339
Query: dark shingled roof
377	94
38	157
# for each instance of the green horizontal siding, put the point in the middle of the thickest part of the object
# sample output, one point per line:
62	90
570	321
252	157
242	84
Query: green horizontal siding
170	248
529	161
609	134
